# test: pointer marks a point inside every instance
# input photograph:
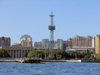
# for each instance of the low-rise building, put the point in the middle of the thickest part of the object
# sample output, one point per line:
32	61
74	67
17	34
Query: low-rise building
79	49
17	51
38	45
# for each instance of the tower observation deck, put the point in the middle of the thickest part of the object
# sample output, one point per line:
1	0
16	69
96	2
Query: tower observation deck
51	28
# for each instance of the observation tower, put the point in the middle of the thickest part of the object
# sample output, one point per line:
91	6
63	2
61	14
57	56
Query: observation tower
51	28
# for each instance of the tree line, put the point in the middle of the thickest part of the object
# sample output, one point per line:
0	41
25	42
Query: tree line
57	55
61	54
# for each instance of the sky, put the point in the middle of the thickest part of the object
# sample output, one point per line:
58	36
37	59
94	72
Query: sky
31	17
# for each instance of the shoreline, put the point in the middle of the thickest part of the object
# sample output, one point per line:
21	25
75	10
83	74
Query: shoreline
71	60
18	60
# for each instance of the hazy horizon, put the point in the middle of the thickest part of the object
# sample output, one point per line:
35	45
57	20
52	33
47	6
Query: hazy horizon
79	17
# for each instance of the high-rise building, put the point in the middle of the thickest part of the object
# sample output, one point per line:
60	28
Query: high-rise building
93	43
81	41
58	44
67	44
45	43
64	45
5	41
26	41
97	44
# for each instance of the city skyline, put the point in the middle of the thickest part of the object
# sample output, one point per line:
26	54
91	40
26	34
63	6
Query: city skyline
71	18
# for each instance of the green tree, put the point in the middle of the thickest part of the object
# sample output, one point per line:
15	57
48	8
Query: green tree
44	54
3	53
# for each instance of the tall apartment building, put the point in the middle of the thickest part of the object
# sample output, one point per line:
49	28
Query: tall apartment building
64	45
97	44
26	41
45	43
93	43
58	44
67	44
5	41
80	41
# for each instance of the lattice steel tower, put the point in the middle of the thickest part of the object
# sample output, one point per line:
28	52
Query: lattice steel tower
51	28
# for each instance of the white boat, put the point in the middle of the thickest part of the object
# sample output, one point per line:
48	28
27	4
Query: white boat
74	60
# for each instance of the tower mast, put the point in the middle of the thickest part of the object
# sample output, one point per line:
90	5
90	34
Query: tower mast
51	28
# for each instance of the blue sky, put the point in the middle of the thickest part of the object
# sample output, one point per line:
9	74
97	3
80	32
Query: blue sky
72	17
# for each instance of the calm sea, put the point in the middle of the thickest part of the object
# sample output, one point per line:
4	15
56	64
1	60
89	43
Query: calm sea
49	68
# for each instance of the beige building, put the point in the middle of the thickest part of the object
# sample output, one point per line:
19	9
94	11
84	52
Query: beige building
93	43
82	41
97	44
